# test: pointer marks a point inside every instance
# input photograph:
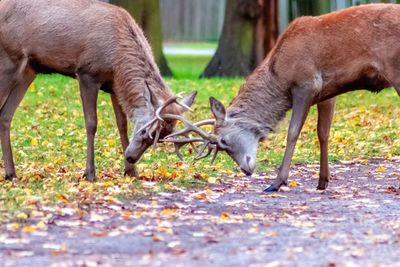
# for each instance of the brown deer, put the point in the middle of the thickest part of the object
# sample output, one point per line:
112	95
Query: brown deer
316	59
100	45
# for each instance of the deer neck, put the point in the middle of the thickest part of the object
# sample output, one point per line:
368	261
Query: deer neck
133	67
263	101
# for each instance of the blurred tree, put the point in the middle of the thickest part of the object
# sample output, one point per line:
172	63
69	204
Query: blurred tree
267	29
250	30
147	15
308	8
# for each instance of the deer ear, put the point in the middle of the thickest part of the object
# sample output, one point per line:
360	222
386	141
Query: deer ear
149	96
218	110
189	100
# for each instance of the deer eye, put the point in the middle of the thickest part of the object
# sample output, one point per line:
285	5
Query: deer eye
223	141
143	132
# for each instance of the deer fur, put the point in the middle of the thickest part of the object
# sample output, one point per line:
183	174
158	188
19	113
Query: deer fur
95	42
316	59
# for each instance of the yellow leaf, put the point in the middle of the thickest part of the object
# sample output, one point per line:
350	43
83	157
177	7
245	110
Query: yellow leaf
168	212
201	196
274	195
28	229
14	226
380	169
225	216
41	225
22	216
138	214
293	183
108	184
249	216
45	143
212	180
126	215
388	155
34	142
110	142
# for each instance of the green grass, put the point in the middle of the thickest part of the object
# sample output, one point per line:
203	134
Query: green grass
196	45
187	67
49	142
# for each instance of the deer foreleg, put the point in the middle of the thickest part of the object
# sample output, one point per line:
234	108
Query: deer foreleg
10	99
325	116
122	124
89	92
301	105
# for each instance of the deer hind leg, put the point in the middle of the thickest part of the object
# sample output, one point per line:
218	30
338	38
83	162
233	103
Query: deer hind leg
325	116
122	124
13	85
89	89
301	105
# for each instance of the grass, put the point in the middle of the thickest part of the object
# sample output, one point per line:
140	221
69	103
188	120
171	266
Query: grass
187	67
49	142
196	45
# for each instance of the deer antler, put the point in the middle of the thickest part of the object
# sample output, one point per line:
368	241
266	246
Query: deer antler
210	140
154	125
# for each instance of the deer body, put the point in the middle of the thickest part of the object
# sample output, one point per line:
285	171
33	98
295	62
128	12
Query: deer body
97	43
316	59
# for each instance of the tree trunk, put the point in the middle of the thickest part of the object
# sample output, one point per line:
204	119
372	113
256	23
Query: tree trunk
309	7
321	7
250	31
267	29
147	14
236	52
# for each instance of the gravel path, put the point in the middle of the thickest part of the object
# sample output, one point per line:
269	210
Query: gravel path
356	222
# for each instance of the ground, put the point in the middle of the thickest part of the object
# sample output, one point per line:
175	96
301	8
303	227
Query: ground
194	213
355	222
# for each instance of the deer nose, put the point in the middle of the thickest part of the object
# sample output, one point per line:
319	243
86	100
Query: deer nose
246	172
248	166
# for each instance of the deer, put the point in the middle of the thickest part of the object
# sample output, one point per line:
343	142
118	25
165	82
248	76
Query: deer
101	46
314	60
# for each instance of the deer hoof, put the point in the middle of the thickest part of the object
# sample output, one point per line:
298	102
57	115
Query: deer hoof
322	187
323	183
131	172
90	176
10	177
271	188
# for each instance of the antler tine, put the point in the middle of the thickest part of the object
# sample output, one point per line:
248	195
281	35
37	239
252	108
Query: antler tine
184	106
189	127
178	147
158	133
179	143
200	153
182	141
215	155
205	155
163	106
205	122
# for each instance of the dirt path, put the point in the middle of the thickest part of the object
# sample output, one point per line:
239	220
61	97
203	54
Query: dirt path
356	222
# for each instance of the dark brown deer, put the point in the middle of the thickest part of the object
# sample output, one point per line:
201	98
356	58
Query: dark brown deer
316	59
96	43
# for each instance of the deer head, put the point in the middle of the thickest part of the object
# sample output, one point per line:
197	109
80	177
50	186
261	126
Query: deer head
237	137
151	122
